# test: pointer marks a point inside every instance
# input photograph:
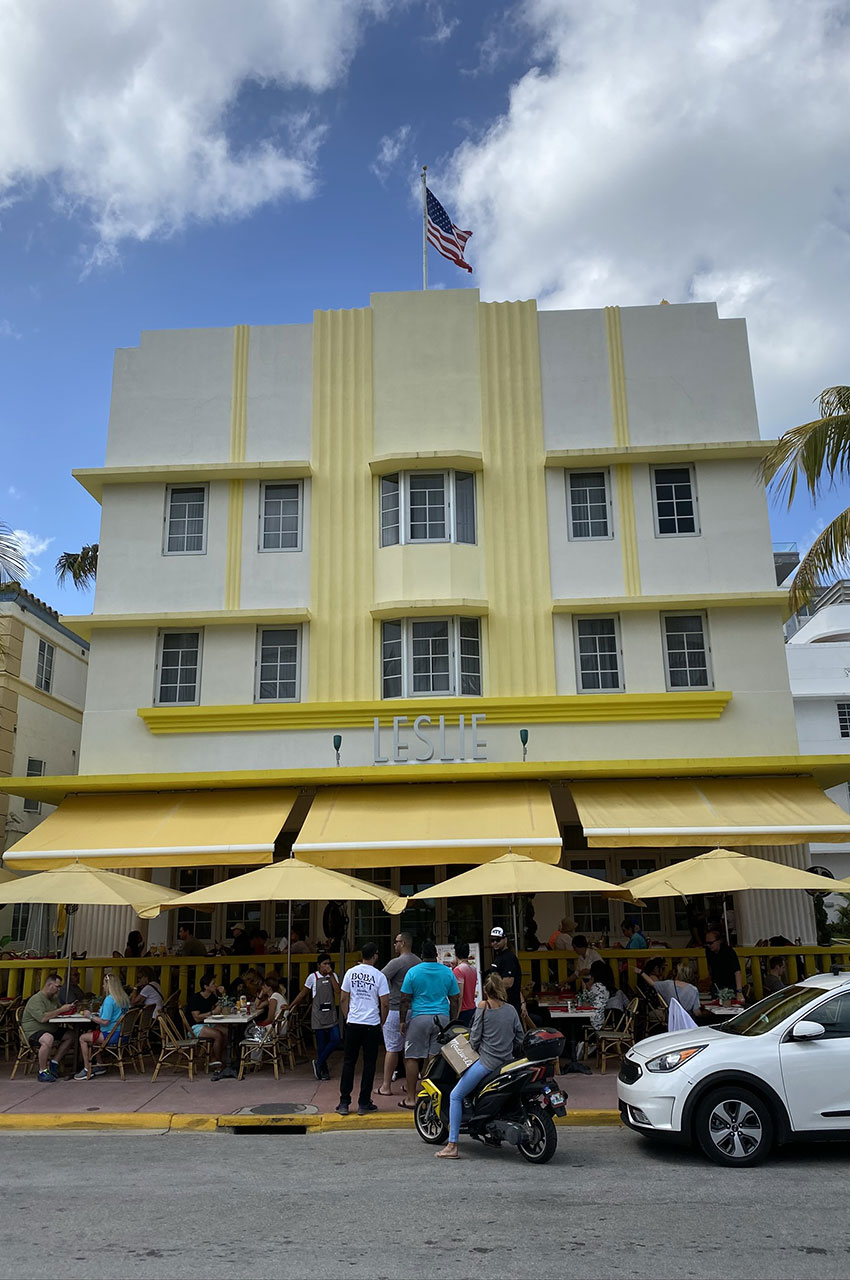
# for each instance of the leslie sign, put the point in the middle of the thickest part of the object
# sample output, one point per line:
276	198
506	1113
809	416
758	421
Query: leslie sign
426	738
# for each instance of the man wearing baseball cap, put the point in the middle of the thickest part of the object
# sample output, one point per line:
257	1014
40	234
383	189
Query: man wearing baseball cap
506	965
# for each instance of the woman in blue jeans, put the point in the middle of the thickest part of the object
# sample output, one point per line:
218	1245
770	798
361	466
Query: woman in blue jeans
496	1034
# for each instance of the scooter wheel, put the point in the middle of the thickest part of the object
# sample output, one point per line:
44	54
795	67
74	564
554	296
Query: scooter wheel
541	1137
429	1126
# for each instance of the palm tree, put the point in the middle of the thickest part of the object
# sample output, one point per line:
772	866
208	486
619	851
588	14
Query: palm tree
13	562
80	566
818	454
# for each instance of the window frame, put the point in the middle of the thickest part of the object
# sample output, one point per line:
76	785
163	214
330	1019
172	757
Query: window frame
157	685
706	637
696	532
402	479
296	627
453	622
30	805
609	506
845	708
261	515
621	671
45	665
166	520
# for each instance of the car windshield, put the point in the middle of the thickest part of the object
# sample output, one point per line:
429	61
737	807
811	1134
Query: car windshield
768	1013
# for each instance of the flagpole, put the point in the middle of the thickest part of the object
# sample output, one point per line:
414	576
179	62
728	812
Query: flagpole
424	226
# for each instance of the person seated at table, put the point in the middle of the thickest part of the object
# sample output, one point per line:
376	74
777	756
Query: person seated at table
648	978
617	999
635	940
72	992
679	986
41	1033
270	1002
115	1004
776	977
598	990
258	942
200	1006
562	938
297	945
723	964
586	954
135	946
189	944
239	943
246	984
147	991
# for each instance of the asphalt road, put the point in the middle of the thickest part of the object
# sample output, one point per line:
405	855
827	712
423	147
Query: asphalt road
169	1206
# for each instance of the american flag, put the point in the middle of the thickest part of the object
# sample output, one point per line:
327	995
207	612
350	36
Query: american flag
446	238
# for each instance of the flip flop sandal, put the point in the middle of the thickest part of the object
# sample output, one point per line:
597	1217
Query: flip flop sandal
407	1106
381	1093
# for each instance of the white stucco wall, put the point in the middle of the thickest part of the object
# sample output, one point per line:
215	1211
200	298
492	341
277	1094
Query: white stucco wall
280	392
273	579
575	381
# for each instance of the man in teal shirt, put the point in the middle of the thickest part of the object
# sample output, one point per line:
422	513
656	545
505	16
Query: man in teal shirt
429	989
635	938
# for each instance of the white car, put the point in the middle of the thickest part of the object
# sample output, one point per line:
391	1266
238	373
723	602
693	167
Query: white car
776	1072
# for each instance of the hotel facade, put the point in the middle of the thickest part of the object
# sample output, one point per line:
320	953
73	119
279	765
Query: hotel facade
418	582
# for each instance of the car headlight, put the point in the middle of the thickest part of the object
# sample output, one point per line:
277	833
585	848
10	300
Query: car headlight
675	1058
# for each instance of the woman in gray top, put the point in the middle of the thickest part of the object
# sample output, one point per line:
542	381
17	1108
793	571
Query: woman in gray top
496	1034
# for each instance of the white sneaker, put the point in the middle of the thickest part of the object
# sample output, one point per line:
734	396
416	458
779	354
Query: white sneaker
82	1075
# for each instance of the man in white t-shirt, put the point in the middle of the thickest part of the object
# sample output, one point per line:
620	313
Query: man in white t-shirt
365	1002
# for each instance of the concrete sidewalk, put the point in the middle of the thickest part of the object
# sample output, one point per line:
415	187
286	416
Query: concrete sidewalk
296	1100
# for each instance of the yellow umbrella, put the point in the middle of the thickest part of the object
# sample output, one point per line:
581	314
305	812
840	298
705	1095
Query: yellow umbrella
515	873
725	871
292	880
7	875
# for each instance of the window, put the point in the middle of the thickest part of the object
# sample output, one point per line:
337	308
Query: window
185	521
843	719
598	654
179	666
428	506
433	656
278	665
20	922
649	915
675	501
686	651
44	666
35	769
587	504
590	910
200	922
280	517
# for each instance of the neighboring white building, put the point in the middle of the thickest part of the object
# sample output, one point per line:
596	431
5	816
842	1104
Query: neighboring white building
437	507
43	670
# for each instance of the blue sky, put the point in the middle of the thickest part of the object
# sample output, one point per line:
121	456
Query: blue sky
212	164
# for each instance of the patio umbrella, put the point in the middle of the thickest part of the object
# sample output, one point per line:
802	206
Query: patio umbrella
293	879
514	873
725	871
80	885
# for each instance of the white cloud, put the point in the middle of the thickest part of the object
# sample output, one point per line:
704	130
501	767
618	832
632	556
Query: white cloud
8	330
390	149
443	27
33	546
12	492
690	152
125	107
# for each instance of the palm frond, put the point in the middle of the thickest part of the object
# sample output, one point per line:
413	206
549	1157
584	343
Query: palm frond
816	453
80	566
825	558
13	563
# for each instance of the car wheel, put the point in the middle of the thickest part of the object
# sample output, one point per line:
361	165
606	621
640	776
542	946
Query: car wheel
734	1127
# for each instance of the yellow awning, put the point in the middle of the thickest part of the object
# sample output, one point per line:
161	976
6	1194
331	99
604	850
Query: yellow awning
158	829
736	811
427	825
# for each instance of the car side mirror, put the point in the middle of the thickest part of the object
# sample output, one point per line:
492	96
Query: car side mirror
808	1030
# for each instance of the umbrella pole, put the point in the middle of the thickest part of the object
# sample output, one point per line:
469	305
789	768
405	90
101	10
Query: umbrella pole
516	927
289	951
69	938
725	920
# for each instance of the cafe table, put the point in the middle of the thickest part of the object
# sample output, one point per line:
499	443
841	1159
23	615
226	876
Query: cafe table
73	1020
721	1010
233	1021
572	1017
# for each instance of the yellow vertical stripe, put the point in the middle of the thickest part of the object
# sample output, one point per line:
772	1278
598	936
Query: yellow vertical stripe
238	444
341	522
620	419
515	537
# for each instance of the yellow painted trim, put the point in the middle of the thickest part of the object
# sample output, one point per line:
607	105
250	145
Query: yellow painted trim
85	624
424	460
47	700
617	376
628	530
708	600
342	542
233	557
513	521
239	395
571	709
828	771
428	608
94	479
721	451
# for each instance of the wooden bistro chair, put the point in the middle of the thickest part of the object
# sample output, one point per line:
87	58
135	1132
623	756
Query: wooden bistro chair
27	1056
142	1040
177	1050
123	1048
9	1027
255	1052
615	1040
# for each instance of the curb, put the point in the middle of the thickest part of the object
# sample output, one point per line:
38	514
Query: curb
187	1122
